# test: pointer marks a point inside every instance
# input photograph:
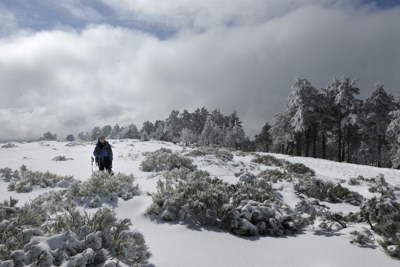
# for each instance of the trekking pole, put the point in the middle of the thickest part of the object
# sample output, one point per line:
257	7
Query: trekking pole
92	162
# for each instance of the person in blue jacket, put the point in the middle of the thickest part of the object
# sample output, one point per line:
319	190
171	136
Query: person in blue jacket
103	155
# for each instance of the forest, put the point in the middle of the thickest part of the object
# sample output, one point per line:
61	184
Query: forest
329	123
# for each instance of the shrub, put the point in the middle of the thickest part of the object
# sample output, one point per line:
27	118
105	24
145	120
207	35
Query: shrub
24	180
163	159
61	158
270	161
222	154
299	169
275	175
383	214
9	145
327	191
71	239
102	187
246	208
364	238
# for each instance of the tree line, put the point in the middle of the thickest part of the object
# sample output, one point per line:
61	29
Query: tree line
328	123
200	127
331	123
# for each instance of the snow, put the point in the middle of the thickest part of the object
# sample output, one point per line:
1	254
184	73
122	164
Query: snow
175	244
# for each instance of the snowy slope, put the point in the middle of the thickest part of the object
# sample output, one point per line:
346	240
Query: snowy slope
174	244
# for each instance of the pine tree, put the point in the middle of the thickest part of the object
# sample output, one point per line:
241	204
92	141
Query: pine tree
263	140
303	105
377	106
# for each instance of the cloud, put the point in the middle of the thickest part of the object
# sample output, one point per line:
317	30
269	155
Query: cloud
230	57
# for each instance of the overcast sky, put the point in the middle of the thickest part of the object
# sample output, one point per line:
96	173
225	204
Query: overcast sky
69	65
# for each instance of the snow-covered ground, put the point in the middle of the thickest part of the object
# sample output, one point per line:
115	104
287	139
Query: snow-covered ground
174	244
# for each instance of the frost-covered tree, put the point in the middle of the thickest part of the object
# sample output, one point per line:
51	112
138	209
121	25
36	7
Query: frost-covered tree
303	104
235	136
377	108
173	127
187	136
114	133
186	120
159	126
147	130
282	133
393	133
263	140
199	118
130	132
70	138
345	105
96	132
84	136
212	133
48	136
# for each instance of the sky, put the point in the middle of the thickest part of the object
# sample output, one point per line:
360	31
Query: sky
67	66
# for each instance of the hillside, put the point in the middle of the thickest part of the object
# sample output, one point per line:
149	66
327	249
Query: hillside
173	241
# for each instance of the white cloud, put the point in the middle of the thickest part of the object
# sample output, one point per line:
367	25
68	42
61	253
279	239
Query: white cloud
71	80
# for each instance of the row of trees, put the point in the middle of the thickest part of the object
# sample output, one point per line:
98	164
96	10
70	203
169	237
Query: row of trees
201	127
332	123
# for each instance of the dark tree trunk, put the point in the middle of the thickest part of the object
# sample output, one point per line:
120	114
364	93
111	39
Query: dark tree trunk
323	144
315	135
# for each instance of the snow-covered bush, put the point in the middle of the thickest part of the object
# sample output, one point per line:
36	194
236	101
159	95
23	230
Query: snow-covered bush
54	202
383	215
270	161
71	238
327	191
185	174
364	238
75	143
299	169
316	209
381	186
8	145
61	158
102	187
24	180
14	222
251	207
220	153
163	159
275	175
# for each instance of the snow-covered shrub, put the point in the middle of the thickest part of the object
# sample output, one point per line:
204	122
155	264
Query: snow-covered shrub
74	143
383	214
270	161
327	191
381	186
299	169
220	153
163	159
246	208
354	181
8	145
54	202
102	187
7	174
275	175
185	174
61	158
73	238
15	223
364	238
24	180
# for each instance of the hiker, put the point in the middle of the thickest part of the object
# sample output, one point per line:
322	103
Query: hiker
103	154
